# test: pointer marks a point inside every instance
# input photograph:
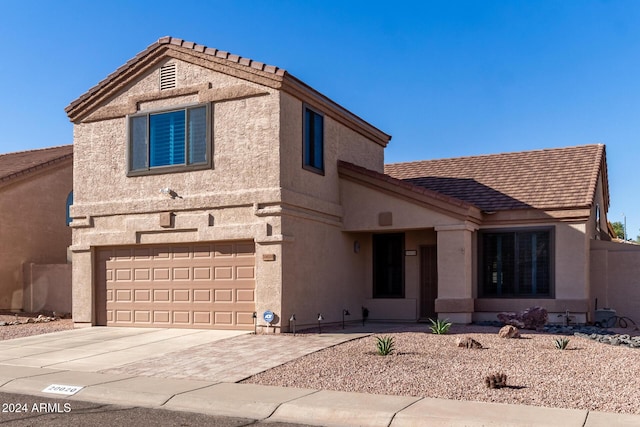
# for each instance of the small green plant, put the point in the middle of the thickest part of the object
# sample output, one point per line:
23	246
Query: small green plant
385	345
561	343
440	327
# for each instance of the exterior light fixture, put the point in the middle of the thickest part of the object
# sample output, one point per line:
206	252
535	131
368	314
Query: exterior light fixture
365	314
169	193
345	312
293	319
255	322
320	319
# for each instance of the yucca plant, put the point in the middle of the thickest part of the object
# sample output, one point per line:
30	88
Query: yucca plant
385	345
561	343
439	327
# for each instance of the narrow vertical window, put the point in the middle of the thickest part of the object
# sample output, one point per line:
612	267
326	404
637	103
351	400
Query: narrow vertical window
313	156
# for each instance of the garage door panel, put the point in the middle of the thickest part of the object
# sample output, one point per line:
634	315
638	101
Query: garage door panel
142	316
181	273
199	286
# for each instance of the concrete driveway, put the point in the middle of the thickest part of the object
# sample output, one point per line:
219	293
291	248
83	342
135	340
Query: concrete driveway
191	354
100	348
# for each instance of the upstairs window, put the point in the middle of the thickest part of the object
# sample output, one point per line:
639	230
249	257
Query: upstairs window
516	264
170	140
313	141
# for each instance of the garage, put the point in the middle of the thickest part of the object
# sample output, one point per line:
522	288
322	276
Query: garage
200	285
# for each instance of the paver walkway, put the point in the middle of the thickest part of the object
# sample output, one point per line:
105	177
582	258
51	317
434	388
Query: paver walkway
233	359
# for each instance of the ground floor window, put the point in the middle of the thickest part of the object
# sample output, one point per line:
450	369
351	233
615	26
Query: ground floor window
388	265
516	264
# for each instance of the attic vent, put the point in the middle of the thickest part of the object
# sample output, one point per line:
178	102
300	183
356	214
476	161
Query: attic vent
168	76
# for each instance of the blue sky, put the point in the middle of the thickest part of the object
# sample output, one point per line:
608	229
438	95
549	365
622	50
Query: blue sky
444	78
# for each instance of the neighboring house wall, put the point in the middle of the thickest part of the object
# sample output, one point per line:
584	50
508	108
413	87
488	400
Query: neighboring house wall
615	278
33	227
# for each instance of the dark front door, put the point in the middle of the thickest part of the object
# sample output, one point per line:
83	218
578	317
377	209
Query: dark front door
428	281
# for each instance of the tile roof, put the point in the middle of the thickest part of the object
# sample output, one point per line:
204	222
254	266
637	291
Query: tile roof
560	178
17	164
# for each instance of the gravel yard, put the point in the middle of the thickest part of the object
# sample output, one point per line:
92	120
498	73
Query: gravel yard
24	329
587	375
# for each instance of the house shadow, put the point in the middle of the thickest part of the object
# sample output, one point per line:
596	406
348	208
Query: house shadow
470	191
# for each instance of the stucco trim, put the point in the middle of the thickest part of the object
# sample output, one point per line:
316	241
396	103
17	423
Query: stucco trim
155	203
516	216
204	91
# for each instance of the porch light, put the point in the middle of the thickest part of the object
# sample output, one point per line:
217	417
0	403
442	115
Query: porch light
320	319
345	312
293	319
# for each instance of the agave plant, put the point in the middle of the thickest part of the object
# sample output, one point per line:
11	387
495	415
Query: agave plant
385	345
561	343
440	327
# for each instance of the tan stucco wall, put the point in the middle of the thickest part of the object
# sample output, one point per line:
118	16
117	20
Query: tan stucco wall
340	143
362	206
47	288
257	181
615	277
321	271
231	201
33	228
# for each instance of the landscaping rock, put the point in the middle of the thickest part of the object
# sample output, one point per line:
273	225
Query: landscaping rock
531	318
509	331
511	318
468	342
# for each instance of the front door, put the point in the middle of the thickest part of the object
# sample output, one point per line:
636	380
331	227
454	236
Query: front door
428	281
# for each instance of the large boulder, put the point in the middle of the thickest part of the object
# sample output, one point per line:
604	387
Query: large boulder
531	318
510	318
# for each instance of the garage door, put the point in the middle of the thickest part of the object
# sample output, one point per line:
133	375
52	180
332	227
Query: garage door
186	286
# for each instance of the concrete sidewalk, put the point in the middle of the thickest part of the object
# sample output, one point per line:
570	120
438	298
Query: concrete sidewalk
81	358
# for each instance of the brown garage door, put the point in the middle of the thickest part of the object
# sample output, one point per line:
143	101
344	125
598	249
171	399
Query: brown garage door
209	285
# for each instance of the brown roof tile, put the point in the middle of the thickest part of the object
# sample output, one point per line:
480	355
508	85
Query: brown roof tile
560	178
13	165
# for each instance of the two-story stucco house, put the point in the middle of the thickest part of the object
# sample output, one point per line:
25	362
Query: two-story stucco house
208	186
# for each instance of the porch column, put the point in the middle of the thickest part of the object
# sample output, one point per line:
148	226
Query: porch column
455	272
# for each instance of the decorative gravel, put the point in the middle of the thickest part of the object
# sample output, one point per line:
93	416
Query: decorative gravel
587	375
25	329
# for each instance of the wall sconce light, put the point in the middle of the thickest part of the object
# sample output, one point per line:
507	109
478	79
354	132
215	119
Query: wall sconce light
255	322
345	312
320	319
169	193
293	319
356	247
